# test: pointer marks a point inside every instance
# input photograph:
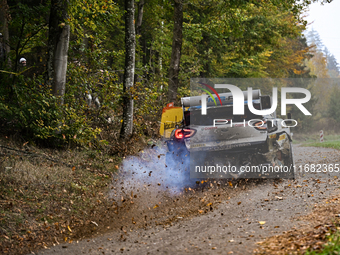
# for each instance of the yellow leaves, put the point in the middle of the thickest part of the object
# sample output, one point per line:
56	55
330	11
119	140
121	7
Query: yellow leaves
88	36
298	71
69	229
262	222
267	53
155	206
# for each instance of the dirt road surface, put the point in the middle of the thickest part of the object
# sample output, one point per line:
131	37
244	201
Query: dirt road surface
226	218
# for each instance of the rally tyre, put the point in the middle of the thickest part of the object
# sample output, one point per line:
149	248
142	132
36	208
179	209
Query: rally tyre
289	162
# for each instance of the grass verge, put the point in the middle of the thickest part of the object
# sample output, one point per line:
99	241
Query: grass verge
326	144
306	138
331	247
313	140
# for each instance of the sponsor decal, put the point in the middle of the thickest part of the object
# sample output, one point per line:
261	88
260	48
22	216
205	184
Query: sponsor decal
282	137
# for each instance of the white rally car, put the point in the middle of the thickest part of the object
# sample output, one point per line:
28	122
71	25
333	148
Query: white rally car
220	144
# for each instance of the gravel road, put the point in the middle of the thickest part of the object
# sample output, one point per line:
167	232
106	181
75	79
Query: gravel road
223	219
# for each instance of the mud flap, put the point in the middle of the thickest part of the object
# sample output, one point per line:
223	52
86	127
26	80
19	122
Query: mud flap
281	159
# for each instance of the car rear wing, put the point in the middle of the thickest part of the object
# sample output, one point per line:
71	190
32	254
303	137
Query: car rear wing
172	117
226	98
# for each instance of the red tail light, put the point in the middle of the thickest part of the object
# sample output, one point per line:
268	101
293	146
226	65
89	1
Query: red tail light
261	125
184	133
179	134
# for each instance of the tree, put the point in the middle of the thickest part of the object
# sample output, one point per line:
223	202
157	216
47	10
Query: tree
4	41
334	104
332	65
314	39
58	42
129	70
176	51
139	34
140	17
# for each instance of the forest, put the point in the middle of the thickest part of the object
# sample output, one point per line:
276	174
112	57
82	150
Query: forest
99	71
82	89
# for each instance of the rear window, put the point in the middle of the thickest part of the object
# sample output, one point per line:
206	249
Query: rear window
195	117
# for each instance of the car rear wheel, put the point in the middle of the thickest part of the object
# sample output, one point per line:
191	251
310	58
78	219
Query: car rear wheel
289	163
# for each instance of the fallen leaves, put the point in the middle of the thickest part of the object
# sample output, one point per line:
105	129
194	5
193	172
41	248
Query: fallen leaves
94	223
312	236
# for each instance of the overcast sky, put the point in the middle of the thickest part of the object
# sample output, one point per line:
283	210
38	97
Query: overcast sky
325	19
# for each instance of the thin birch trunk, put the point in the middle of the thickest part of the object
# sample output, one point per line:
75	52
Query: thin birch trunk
130	48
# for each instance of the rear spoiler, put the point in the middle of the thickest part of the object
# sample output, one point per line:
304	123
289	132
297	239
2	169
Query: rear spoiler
226	98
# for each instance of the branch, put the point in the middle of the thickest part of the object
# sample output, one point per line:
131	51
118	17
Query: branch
30	37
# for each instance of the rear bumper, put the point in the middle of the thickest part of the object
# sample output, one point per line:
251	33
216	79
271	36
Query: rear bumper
259	146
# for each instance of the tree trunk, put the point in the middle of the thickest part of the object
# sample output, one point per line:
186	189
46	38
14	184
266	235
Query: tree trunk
139	22
58	41
140	17
4	41
129	70
176	51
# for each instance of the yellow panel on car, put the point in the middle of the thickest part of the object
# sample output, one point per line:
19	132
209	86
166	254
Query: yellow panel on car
282	137
273	136
171	116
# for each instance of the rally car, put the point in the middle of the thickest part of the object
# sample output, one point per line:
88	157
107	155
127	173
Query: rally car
222	145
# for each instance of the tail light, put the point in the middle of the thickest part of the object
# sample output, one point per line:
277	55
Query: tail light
261	125
184	133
